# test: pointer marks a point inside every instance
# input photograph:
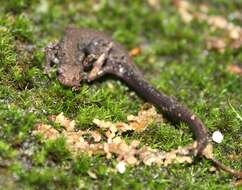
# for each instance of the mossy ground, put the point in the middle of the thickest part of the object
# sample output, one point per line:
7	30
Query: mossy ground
174	60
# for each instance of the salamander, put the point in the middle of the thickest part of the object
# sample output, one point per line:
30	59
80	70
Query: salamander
84	55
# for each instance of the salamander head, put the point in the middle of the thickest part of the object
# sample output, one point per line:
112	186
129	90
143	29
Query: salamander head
68	68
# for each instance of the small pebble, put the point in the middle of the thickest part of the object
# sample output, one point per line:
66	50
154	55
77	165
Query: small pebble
217	136
121	167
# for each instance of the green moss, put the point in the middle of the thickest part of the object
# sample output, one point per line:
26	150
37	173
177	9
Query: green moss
48	178
57	150
174	59
16	6
81	165
6	151
7	53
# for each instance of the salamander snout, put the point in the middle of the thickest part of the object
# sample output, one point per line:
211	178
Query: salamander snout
66	78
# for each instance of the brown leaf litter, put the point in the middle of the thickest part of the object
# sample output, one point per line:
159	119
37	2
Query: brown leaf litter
235	69
232	34
155	4
216	44
111	142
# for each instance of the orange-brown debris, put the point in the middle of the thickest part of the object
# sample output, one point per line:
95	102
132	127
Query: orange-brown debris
111	142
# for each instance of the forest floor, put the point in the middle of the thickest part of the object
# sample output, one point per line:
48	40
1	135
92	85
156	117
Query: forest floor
189	50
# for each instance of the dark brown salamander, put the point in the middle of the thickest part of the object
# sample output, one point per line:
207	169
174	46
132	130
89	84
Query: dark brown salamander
79	57
86	55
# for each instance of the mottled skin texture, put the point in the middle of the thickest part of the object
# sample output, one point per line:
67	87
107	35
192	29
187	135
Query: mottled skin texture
85	55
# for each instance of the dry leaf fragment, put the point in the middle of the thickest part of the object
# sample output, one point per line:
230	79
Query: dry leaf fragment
233	156
135	143
131	160
47	131
235	69
154	4
144	118
92	149
92	174
203	8
114	145
234	33
184	10
96	136
238	183
236	44
186	16
184	159
126	153
135	52
182	4
216	44
217	22
208	151
212	169
200	16
65	122
102	124
135	123
150	156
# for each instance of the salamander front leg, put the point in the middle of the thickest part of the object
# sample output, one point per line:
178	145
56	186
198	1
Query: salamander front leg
99	68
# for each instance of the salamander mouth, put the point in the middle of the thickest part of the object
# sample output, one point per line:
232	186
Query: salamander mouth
70	78
70	82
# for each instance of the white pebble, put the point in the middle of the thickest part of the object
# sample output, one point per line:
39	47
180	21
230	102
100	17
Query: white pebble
217	136
121	167
56	60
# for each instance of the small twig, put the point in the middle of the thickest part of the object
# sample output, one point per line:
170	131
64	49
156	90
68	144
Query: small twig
227	169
